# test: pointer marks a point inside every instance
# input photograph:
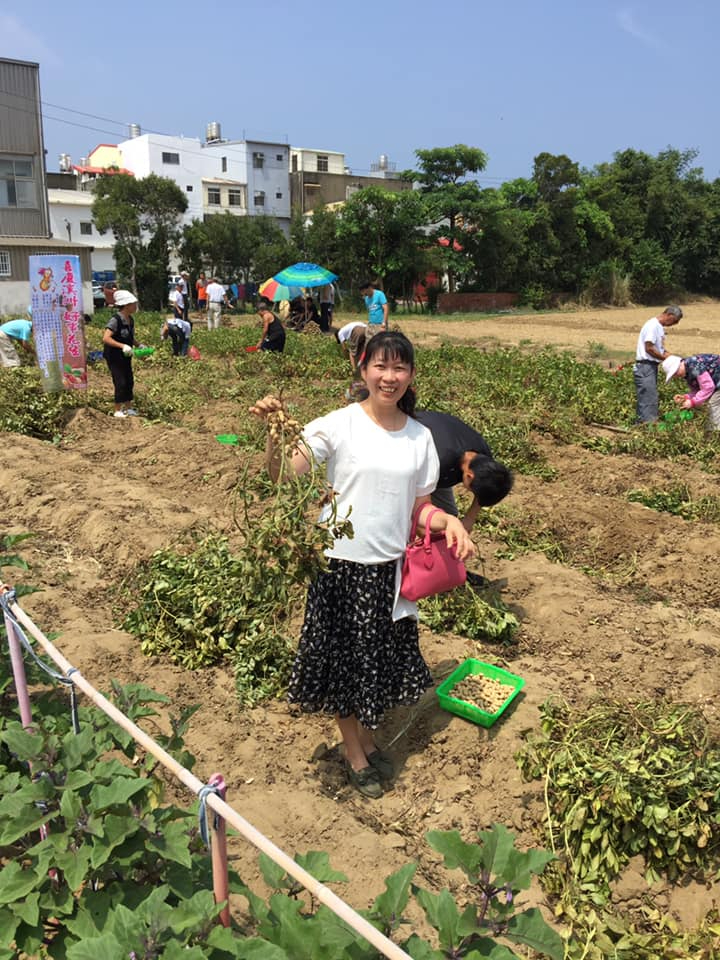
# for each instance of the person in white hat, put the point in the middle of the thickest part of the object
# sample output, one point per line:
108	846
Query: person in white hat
118	343
702	372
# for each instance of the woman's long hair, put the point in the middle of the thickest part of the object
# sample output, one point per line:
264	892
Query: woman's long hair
393	346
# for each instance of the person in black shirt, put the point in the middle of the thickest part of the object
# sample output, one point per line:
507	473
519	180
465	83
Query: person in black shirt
273	332
466	458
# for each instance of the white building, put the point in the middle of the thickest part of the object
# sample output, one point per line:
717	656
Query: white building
71	219
242	177
304	160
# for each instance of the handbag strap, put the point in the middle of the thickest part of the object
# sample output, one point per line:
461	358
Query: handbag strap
416	517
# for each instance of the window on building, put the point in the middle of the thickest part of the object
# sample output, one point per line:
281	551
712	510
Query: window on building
323	163
235	197
214	196
5	270
258	160
294	163
171	158
189	188
86	228
223	164
279	156
260	198
278	196
17	186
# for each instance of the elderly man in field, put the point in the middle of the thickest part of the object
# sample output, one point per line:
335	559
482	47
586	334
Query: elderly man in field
649	355
216	297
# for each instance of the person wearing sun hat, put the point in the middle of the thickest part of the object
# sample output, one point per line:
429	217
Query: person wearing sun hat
702	373
118	343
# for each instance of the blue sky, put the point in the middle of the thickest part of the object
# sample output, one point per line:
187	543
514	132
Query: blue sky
580	77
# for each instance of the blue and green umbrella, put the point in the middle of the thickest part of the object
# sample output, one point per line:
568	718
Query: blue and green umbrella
305	275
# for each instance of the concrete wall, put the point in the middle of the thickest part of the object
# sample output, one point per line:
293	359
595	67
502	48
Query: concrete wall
15	289
306	161
309	189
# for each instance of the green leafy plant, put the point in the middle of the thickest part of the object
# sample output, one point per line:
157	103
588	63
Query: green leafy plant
8	558
210	604
479	614
496	873
623	779
93	864
679	501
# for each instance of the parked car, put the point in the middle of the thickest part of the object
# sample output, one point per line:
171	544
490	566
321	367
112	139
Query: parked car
98	296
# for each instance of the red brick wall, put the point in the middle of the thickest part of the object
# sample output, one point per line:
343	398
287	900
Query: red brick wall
466	302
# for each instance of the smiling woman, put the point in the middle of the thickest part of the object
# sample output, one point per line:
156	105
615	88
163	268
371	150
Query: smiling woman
358	653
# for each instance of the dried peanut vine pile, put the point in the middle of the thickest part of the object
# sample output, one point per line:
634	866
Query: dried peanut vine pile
207	603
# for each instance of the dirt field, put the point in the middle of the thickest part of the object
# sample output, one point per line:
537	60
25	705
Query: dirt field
113	491
616	330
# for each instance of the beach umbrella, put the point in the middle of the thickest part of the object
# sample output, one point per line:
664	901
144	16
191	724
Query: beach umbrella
272	290
305	275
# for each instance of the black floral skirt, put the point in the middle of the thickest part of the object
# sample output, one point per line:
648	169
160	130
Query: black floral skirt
352	657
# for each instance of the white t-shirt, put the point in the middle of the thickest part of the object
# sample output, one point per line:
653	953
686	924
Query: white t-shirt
378	473
654	332
327	293
215	292
344	332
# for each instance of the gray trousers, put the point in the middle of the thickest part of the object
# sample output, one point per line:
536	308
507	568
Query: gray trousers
713	412
645	374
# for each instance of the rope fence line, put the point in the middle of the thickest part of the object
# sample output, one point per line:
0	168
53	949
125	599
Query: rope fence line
211	797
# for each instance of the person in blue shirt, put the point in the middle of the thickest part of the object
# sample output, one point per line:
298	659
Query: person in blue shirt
377	308
14	333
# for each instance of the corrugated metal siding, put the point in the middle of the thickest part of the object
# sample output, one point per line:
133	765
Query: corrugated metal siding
21	222
19	264
19	108
21	127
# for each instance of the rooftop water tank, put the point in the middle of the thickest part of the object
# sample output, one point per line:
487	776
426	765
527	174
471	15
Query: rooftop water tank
134	130
212	132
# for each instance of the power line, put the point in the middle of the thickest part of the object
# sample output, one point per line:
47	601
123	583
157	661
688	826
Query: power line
190	152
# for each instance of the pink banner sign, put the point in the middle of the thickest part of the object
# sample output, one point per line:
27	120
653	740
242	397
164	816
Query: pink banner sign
58	324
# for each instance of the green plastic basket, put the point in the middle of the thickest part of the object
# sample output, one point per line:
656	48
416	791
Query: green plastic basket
228	438
466	710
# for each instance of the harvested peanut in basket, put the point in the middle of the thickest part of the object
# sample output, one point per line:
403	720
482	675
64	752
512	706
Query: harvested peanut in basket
482	692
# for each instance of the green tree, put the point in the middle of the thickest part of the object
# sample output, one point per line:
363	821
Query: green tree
232	247
144	215
380	235
452	197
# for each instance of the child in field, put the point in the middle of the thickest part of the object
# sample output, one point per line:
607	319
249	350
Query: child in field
359	654
118	343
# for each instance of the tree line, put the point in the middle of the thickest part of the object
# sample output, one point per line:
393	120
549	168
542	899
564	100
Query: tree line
639	227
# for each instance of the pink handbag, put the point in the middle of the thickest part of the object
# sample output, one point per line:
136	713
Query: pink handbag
430	566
